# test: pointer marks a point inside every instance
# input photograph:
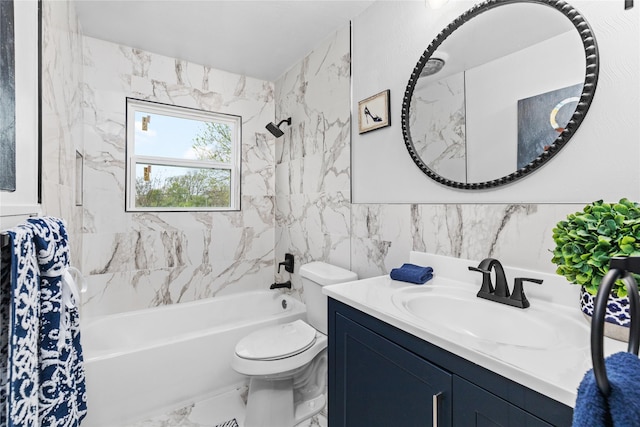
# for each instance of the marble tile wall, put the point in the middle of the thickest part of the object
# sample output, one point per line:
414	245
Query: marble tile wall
520	235
61	117
139	260
313	207
439	134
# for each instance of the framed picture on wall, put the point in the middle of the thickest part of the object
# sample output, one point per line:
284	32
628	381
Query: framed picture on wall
20	103
541	118
7	98
374	112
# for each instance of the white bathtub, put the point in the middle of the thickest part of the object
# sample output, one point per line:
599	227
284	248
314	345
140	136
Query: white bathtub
145	362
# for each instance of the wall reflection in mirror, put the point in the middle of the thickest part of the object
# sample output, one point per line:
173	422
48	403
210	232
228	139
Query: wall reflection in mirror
494	91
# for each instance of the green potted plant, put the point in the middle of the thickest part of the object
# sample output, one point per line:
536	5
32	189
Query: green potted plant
587	240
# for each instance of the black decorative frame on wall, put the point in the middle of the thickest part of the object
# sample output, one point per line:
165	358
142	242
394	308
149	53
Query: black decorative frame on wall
591	78
7	98
39	94
10	67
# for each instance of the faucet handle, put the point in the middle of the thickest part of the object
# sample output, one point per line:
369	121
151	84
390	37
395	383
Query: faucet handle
518	290
487	287
288	263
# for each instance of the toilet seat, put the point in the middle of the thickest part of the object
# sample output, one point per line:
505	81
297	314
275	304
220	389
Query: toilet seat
281	366
277	342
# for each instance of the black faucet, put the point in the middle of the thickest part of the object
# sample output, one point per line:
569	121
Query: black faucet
288	266
501	292
286	284
288	263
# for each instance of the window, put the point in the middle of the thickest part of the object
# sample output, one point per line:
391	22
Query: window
181	159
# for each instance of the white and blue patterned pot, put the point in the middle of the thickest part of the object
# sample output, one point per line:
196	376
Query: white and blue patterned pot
617	318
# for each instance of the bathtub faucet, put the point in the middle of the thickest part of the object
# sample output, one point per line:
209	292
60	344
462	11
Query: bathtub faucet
286	284
288	263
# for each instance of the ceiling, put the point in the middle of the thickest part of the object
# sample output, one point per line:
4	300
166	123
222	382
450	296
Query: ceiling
261	39
500	32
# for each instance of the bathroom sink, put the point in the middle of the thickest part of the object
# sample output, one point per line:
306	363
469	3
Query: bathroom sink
461	313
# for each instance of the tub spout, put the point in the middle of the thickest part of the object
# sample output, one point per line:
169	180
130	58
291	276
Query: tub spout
286	284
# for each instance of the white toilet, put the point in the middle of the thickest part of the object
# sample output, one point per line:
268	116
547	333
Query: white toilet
287	364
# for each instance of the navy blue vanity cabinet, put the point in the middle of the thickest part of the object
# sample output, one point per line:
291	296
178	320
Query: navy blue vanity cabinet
383	384
475	406
381	376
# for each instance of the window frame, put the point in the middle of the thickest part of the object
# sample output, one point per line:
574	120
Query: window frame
134	105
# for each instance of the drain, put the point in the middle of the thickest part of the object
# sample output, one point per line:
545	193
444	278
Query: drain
284	304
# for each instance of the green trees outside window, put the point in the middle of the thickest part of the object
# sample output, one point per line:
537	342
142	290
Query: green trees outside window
181	159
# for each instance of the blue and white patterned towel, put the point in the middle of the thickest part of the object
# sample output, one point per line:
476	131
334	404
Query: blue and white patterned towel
45	384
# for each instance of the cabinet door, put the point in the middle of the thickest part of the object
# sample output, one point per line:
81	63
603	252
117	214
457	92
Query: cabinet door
378	383
474	406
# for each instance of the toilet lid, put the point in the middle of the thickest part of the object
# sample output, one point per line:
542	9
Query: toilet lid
277	342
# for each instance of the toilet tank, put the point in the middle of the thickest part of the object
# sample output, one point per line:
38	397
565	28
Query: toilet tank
315	275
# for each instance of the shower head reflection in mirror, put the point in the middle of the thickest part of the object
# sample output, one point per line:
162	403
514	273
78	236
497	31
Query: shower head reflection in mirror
435	64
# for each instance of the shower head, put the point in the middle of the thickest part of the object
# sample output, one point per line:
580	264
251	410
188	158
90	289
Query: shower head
275	129
434	64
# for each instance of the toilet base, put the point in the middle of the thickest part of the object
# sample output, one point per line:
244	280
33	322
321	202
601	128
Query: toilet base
309	408
270	403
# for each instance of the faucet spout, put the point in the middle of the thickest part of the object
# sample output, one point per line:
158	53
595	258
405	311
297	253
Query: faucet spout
500	293
286	284
502	289
486	265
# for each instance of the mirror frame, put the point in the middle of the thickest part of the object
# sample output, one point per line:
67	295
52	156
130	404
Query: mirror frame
588	90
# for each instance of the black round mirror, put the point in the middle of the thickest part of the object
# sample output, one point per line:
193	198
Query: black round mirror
499	92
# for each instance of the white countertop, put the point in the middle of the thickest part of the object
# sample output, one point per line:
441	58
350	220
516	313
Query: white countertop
555	370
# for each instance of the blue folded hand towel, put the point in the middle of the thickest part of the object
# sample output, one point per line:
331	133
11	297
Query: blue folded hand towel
622	406
412	273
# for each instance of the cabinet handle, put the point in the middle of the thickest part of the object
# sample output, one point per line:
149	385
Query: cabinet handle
436	405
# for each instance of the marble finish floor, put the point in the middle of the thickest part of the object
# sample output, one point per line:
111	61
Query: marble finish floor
213	412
